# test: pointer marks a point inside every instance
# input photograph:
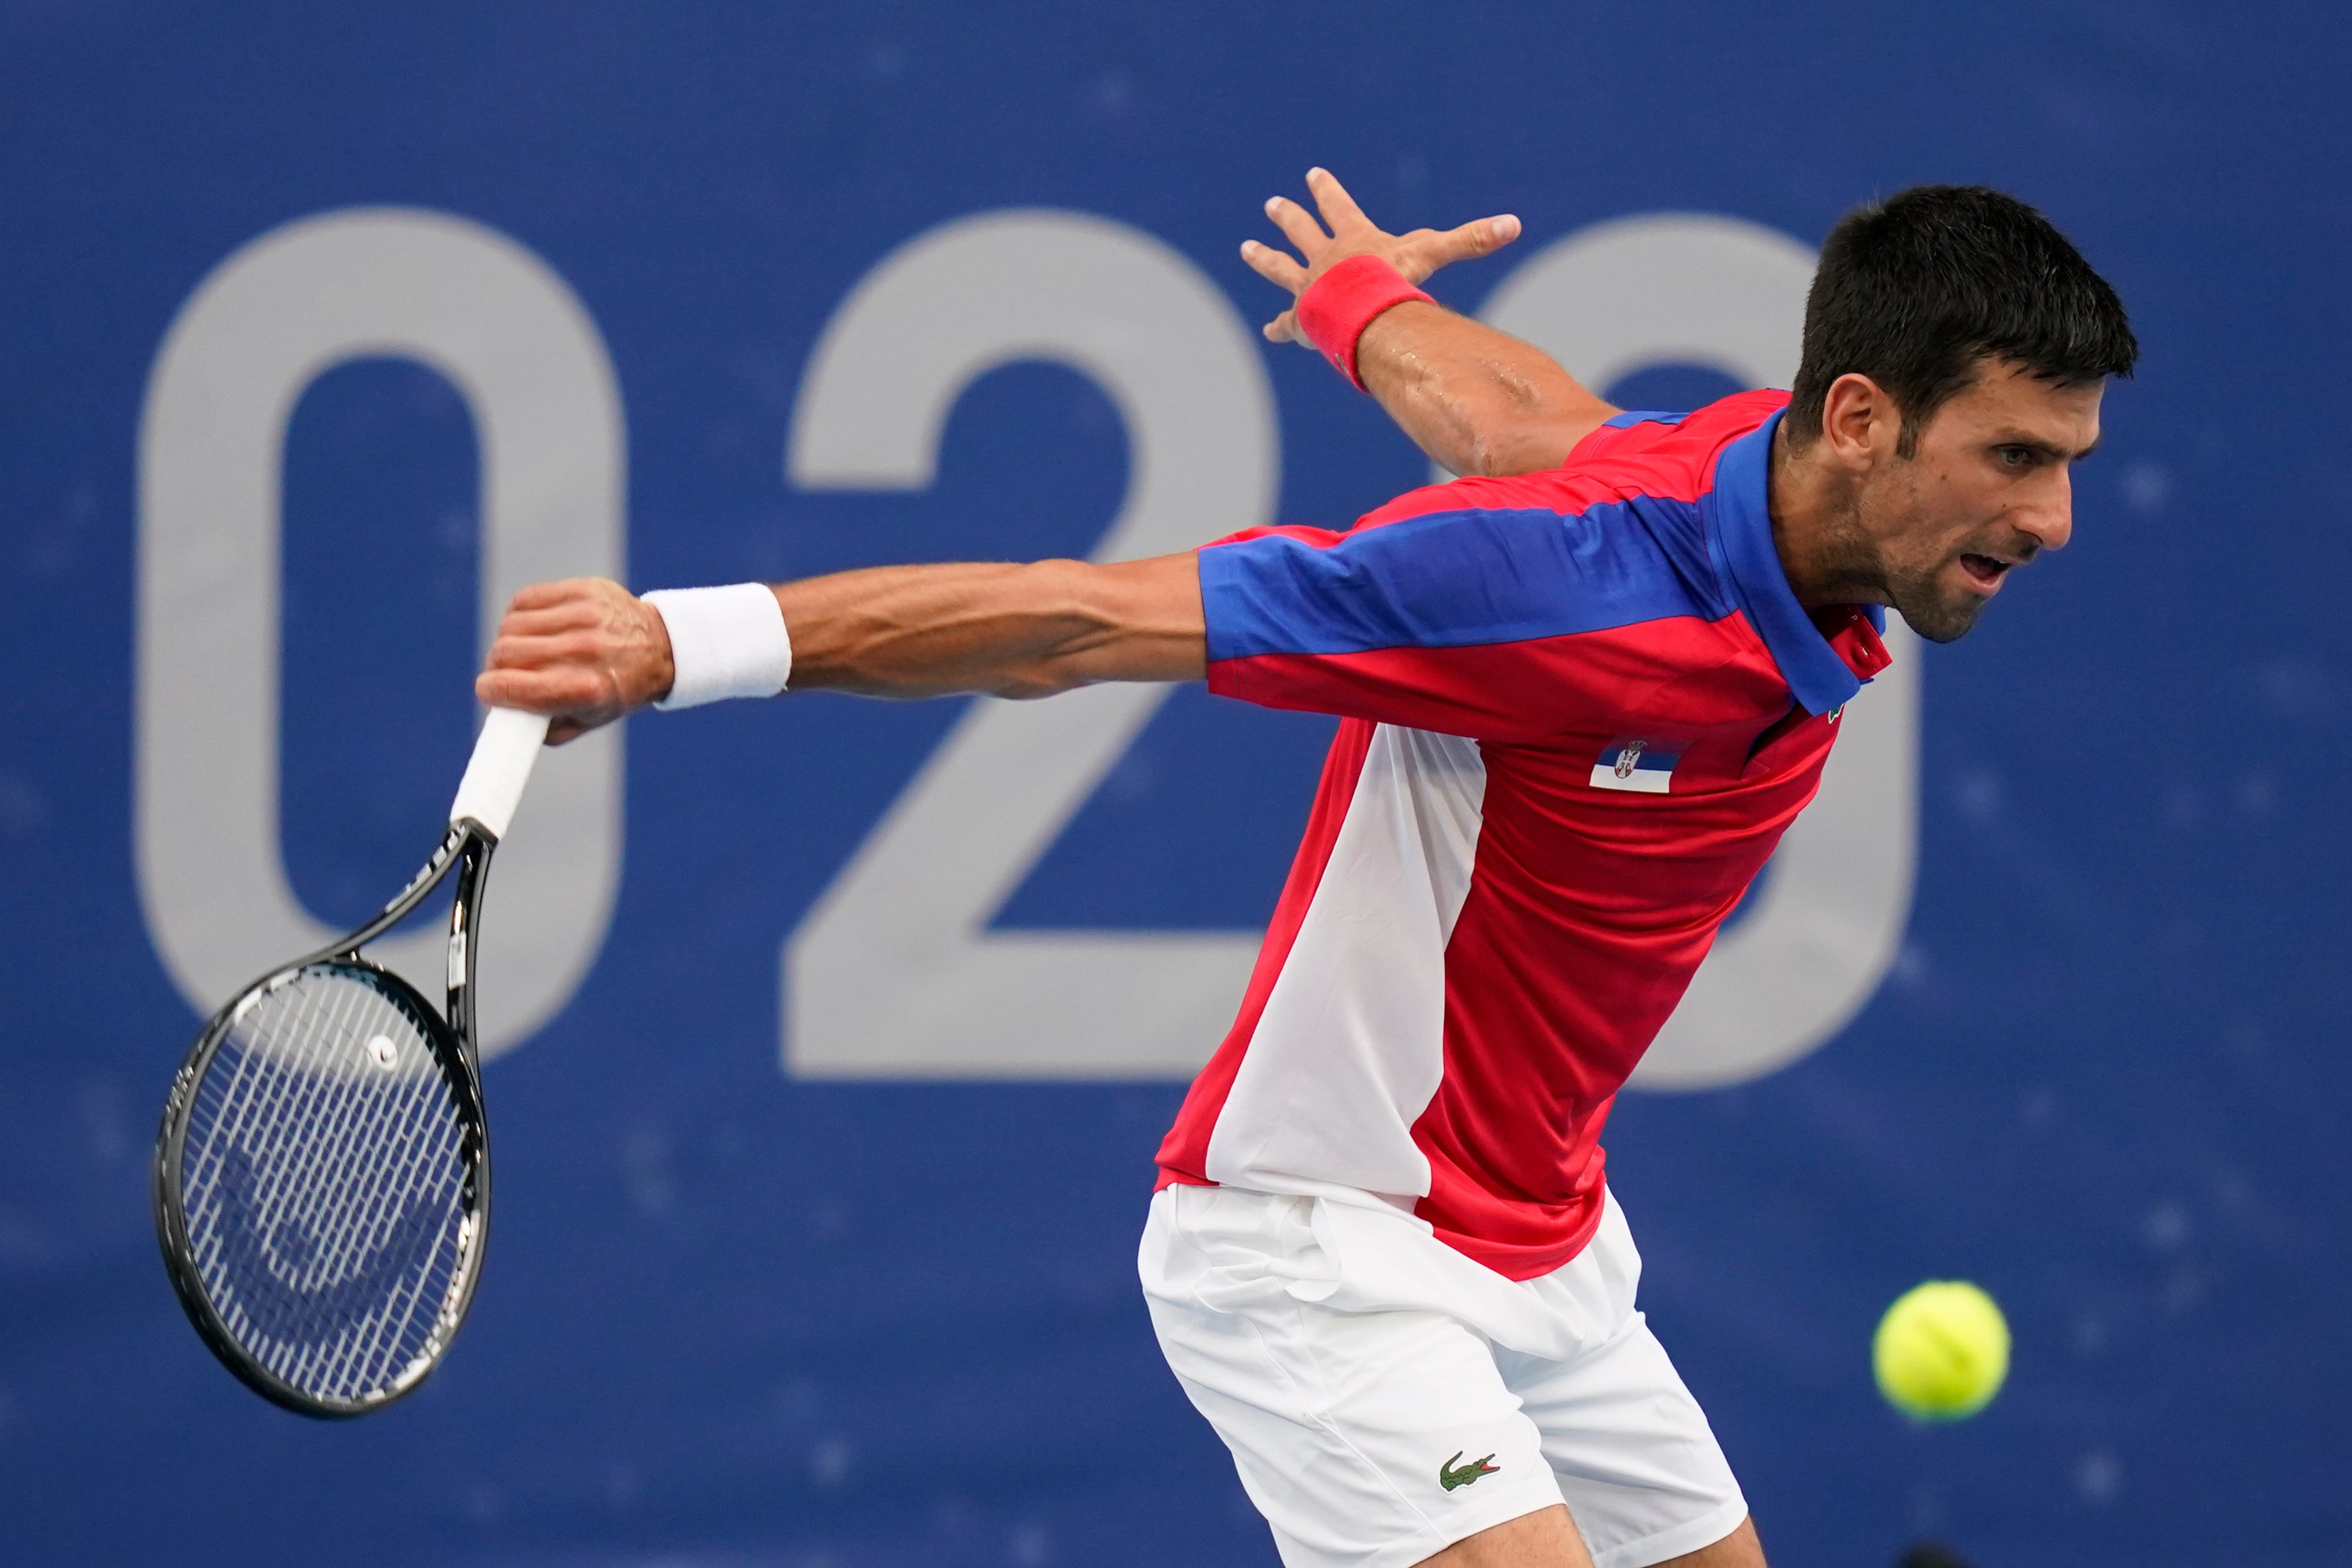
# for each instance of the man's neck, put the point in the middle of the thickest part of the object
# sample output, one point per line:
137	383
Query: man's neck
1816	529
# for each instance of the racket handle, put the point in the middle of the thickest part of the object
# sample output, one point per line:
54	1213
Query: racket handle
501	767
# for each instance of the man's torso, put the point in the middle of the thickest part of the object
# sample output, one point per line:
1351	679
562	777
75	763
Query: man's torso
1579	709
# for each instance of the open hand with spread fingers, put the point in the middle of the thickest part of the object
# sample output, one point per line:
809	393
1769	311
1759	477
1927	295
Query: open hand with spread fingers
1477	400
1415	255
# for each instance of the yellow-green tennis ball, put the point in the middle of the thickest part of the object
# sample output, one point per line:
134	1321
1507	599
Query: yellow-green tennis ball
1941	1351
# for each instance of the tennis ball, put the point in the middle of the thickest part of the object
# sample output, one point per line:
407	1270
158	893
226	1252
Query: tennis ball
1941	1351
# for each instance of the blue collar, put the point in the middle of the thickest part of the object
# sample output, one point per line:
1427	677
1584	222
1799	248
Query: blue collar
1739	533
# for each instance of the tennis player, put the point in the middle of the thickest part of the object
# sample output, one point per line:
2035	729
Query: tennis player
1584	691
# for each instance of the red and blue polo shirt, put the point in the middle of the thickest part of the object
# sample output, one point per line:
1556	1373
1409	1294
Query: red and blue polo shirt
1580	708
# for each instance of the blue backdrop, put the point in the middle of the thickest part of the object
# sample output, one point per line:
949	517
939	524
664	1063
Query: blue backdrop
737	1315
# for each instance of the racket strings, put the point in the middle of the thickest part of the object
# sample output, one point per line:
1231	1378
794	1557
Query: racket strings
313	1252
340	1121
308	1223
324	1179
407	1137
270	1062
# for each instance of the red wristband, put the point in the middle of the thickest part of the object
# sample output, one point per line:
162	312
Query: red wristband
1336	307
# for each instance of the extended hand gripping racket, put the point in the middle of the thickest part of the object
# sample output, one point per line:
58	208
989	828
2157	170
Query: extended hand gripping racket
322	1180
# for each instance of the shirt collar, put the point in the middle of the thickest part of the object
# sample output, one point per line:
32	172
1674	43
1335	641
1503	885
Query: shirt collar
1824	670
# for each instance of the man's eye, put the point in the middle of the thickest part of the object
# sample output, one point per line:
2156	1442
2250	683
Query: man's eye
2015	456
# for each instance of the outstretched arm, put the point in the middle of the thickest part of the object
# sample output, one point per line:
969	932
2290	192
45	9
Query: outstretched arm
589	651
1477	400
1003	630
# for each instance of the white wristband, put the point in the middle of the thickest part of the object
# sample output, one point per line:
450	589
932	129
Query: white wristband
723	643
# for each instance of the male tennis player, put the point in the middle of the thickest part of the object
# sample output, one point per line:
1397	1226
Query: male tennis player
1583	693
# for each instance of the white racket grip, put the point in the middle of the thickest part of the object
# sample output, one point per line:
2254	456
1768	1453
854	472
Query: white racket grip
500	768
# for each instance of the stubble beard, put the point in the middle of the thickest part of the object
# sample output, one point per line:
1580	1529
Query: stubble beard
1853	559
1855	562
1916	593
1928	608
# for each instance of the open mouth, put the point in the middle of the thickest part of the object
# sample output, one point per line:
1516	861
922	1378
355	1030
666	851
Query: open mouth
1986	571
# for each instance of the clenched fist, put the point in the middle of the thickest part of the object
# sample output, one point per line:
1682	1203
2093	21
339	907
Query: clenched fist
585	652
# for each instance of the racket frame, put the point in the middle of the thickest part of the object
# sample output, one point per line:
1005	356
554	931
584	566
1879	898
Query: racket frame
466	849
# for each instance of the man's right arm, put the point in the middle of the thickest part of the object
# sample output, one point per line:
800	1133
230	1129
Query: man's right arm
587	651
1477	400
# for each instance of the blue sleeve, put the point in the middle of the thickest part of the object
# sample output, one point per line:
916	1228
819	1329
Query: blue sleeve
1374	622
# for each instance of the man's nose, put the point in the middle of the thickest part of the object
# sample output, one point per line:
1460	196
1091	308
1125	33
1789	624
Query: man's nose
2049	520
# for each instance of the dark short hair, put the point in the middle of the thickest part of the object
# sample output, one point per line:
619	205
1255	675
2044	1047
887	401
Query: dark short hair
1915	290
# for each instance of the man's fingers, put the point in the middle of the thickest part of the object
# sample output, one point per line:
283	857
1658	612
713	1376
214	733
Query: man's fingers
575	616
564	648
1431	249
1284	329
545	595
1339	209
1427	250
540	691
1480	239
1275	267
553	655
1299	226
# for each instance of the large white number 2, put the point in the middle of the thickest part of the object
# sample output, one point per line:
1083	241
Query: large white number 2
894	973
1696	289
490	316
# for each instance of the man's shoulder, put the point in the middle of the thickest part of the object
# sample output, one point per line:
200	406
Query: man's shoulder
1662	456
1673	450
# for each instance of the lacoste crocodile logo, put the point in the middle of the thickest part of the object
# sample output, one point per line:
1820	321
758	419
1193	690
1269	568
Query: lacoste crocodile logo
1451	1475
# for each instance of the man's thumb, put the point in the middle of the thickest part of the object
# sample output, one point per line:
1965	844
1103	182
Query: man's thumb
1432	250
1489	234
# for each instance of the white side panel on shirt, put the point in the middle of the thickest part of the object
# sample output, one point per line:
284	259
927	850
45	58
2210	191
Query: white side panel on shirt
1349	1049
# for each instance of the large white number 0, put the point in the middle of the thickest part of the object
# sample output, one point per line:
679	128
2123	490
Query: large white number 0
895	974
492	317
1697	288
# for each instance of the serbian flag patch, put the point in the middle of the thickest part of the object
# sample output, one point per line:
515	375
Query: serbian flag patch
1635	765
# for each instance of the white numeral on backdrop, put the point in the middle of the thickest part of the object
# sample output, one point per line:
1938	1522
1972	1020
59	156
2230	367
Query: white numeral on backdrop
1687	287
492	317
894	972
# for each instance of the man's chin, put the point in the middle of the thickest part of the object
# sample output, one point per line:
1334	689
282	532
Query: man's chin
1939	616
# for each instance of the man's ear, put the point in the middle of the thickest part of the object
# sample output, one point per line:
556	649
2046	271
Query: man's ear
1859	423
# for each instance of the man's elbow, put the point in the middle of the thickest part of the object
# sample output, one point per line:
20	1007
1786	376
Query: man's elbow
1499	454
1533	446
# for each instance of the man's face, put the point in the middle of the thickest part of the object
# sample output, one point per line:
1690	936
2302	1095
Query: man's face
1986	491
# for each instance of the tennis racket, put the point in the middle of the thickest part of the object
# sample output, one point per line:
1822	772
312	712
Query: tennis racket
322	1178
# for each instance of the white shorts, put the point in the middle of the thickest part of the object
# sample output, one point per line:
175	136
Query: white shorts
1356	1366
